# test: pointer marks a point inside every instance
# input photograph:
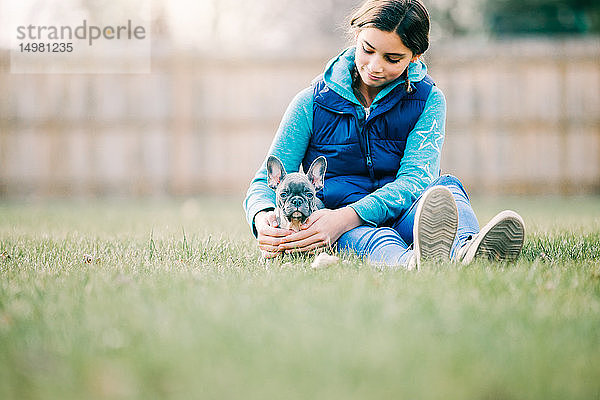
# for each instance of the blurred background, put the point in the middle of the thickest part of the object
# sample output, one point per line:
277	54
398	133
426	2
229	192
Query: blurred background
521	78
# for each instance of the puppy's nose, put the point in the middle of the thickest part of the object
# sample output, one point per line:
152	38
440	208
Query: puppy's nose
296	201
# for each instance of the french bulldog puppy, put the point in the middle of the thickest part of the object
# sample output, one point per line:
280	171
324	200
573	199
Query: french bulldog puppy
296	192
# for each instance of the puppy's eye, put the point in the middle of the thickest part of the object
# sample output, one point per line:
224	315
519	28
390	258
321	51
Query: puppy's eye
309	195
283	195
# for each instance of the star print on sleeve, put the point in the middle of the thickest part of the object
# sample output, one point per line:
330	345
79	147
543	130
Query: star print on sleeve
431	138
426	170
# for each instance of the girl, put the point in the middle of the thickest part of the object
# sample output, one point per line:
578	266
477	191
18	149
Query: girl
379	120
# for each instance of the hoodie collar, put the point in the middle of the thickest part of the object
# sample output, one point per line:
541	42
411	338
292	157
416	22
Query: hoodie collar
338	76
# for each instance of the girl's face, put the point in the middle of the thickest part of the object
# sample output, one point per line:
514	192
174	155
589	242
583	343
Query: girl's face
381	56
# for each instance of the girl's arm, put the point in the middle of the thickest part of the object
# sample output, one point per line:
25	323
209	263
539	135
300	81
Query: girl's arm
420	165
289	145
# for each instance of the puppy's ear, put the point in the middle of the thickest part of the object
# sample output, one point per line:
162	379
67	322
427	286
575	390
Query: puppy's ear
316	172
275	172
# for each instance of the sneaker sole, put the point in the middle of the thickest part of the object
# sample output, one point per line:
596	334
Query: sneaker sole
503	240
436	221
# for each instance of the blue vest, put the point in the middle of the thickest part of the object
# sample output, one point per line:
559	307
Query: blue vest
362	155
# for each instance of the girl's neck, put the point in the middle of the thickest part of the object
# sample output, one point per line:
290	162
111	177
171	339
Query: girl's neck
368	93
365	94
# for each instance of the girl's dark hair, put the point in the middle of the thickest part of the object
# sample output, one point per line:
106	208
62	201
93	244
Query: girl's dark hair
408	18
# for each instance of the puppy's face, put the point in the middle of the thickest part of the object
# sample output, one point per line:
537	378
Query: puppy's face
296	192
295	196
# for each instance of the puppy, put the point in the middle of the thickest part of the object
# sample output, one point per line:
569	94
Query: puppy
296	192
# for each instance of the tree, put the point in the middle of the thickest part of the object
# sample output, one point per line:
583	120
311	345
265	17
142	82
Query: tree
510	17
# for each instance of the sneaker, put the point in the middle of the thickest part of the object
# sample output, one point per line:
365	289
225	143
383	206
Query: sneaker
436	221
500	240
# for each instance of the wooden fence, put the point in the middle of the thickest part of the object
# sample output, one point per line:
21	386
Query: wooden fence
523	117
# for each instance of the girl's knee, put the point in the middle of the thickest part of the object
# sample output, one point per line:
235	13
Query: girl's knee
448	180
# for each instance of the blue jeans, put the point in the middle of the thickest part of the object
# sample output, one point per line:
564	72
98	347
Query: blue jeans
392	245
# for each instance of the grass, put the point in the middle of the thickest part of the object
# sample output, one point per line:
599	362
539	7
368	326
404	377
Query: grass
152	300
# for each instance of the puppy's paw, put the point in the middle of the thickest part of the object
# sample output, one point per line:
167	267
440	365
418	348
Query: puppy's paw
324	260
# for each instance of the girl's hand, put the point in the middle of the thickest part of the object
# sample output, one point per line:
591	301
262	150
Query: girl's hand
323	228
269	235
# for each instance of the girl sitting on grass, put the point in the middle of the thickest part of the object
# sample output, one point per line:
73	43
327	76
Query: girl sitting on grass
378	118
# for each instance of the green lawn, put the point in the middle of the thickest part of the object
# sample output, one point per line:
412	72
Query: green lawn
151	300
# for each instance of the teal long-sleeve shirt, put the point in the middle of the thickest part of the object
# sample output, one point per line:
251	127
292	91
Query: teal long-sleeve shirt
419	166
